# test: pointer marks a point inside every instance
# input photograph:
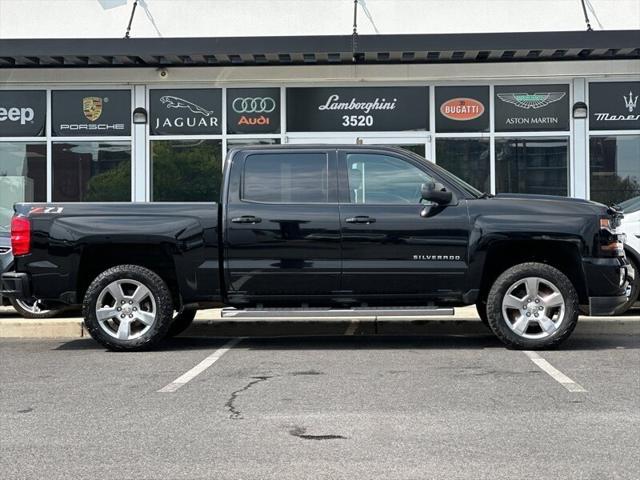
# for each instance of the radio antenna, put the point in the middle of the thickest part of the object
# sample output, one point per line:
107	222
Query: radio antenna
133	12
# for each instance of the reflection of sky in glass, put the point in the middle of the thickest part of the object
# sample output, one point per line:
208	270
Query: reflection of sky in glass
14	156
386	179
628	156
95	148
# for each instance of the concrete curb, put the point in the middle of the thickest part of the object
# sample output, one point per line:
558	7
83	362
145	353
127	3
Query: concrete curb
216	327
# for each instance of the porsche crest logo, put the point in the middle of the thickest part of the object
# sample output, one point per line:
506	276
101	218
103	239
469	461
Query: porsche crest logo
92	108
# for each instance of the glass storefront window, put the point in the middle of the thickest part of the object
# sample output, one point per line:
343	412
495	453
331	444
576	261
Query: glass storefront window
532	165
186	170
245	142
467	158
91	171
614	163
23	176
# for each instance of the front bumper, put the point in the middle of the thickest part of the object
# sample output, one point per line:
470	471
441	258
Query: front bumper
607	305
15	285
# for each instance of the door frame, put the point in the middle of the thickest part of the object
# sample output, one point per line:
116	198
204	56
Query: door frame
364	138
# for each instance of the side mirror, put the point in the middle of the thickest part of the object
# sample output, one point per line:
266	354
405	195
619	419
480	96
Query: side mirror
437	193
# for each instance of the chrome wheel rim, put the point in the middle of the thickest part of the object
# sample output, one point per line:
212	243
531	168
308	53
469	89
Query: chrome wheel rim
533	308
33	307
126	309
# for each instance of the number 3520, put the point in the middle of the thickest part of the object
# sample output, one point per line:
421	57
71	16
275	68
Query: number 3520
357	120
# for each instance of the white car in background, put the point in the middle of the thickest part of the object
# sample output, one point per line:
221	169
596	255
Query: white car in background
631	228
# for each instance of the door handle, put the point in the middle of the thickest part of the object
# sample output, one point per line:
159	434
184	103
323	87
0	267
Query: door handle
246	219
361	219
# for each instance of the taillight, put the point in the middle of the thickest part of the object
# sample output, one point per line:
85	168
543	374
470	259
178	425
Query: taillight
20	236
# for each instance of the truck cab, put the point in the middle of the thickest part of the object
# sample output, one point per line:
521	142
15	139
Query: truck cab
325	226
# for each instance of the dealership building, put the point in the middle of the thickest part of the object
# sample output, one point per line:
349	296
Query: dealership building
530	102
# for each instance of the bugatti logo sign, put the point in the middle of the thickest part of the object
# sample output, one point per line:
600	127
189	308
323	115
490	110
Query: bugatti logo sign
462	109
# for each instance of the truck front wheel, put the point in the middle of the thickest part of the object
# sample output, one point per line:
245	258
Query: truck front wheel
532	306
128	308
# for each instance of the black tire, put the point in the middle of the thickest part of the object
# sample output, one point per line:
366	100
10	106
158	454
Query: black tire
181	322
158	291
26	310
635	291
481	307
510	277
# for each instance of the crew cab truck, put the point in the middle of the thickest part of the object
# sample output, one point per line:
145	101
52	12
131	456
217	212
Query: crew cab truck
342	227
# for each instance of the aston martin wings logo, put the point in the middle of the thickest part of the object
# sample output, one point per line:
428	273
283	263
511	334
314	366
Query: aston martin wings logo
531	100
170	101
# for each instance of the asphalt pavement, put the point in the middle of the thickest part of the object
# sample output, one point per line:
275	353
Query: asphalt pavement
321	405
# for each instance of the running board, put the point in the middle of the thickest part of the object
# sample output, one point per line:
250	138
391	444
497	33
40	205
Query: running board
336	312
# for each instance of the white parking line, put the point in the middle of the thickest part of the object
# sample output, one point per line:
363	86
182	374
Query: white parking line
353	326
554	373
199	368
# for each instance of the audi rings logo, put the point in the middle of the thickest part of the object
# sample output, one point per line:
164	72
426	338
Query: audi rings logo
254	105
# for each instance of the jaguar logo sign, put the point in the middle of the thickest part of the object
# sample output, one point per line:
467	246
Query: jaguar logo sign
185	111
462	109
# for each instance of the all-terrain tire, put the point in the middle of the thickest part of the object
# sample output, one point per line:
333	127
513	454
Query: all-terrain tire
163	306
635	290
26	309
181	322
510	277
481	308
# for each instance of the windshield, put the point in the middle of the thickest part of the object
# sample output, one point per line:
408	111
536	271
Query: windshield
450	177
631	205
5	219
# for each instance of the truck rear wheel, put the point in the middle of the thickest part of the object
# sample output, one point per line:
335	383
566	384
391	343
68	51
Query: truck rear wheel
532	306
128	308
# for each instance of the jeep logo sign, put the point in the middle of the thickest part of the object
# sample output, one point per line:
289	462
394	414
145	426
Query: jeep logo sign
22	113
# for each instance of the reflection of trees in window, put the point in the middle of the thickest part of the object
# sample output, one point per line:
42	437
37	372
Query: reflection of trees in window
114	185
615	168
187	170
92	172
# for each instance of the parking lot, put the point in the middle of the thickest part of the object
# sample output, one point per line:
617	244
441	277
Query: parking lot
325	400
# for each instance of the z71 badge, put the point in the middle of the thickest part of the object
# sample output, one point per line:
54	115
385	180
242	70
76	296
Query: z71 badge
37	210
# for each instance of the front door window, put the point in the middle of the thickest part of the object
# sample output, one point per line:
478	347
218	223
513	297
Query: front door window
382	179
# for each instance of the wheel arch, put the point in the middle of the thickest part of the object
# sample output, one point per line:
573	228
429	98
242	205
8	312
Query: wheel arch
562	255
97	259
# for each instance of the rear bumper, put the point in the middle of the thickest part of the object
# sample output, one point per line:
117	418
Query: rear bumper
15	285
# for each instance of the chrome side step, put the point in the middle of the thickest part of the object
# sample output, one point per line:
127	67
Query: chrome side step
336	312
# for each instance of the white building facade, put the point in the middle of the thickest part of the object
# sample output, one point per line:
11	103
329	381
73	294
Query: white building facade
510	96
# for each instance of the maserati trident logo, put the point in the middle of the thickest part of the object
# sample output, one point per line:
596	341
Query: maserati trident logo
531	100
631	102
170	101
92	108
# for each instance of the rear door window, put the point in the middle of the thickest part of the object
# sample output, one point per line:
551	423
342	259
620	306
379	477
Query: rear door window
296	177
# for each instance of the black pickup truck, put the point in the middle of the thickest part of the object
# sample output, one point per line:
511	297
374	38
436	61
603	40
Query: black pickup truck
325	226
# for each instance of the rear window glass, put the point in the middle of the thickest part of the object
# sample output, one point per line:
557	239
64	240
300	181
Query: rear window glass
286	178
